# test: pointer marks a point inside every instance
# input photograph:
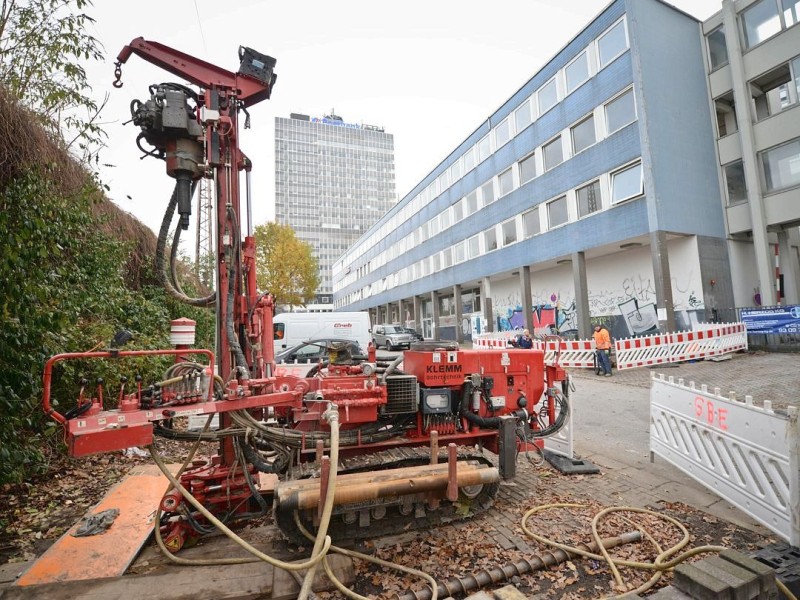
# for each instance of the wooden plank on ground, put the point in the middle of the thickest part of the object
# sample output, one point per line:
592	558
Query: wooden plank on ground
110	553
240	582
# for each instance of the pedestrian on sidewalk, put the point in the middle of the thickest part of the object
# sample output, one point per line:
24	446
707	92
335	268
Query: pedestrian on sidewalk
602	344
525	340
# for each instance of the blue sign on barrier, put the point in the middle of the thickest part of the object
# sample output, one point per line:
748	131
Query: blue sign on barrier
774	319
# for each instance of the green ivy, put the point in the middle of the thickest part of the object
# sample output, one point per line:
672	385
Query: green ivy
62	289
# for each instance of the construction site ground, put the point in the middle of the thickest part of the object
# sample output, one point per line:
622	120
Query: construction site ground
611	431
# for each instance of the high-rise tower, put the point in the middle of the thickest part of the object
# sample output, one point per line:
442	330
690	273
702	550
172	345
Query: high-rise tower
333	181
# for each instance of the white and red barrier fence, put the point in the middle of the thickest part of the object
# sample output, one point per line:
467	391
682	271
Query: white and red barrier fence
708	340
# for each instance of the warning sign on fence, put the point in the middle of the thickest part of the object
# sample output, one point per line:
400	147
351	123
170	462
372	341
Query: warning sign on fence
773	319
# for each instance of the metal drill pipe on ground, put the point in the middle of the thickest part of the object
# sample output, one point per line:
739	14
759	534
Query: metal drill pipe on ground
462	586
363	491
300	485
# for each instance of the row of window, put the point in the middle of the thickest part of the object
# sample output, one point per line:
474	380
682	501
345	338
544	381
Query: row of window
606	191
599	124
758	23
598	54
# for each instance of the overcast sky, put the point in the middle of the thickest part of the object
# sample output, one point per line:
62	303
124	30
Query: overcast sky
429	72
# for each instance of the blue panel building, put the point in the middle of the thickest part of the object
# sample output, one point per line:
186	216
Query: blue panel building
593	194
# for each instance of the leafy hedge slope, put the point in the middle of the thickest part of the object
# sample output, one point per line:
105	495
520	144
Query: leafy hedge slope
74	269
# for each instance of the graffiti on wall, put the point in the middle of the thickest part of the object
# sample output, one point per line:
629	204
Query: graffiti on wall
627	307
547	316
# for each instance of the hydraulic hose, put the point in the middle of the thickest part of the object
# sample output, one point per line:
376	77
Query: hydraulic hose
332	416
161	273
227	531
659	565
233	339
390	369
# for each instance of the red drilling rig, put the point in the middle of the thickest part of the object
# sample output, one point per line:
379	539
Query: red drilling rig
389	415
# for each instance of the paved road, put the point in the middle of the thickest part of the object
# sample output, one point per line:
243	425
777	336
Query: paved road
612	423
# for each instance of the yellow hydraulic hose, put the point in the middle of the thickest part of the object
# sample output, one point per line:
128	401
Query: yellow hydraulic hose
224	528
332	416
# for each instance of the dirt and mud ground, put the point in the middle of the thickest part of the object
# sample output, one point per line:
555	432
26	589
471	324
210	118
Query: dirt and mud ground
35	514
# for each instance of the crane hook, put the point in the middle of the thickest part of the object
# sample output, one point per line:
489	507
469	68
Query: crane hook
117	83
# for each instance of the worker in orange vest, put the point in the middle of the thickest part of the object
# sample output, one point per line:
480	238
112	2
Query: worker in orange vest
602	344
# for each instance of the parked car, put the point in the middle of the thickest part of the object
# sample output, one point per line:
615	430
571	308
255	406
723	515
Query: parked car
391	337
316	349
414	333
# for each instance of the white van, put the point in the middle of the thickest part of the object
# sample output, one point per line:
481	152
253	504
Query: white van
293	328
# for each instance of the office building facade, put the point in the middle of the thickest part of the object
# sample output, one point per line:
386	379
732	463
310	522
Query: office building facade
333	181
593	194
753	65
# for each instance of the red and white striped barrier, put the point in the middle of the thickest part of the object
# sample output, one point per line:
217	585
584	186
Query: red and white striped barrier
707	341
494	340
643	351
573	353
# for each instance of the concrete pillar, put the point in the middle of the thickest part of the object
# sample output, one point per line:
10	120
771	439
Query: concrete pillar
527	302
435	313
581	295
402	316
459	313
486	299
790	269
418	314
742	98
388	313
662	278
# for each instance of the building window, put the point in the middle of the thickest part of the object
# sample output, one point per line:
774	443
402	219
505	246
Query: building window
583	135
447	258
553	154
522	115
530	223
527	169
725	108
620	112
734	181
455	171
472	202
490	239
469	160
777	90
473	246
484	149
760	22
627	183
791	11
612	43
437	262
487	192
461	252
444	219
548	96
588	199
458	210
782	166
557	212
577	72
506	182
502	133
717	50
509	232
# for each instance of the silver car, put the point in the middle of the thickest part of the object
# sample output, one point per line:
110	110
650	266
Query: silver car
391	337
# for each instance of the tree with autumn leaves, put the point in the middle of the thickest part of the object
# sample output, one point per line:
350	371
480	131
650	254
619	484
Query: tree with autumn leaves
285	265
